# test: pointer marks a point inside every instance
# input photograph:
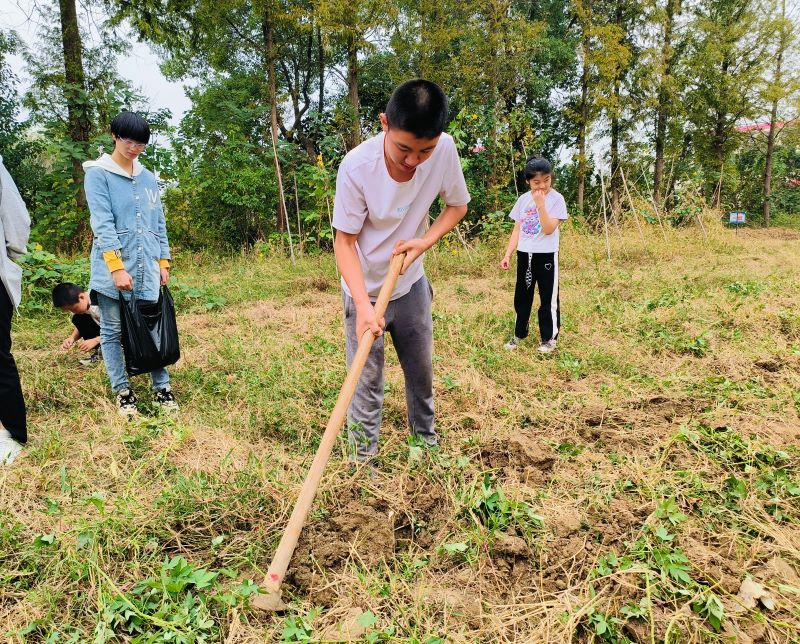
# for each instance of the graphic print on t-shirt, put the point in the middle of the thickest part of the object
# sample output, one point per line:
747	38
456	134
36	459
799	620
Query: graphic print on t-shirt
530	222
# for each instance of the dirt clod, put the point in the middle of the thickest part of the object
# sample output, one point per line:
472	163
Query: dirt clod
461	603
522	453
358	531
510	545
563	520
769	364
348	629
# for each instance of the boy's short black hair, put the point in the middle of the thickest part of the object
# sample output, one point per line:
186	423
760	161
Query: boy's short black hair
66	294
536	166
129	125
418	106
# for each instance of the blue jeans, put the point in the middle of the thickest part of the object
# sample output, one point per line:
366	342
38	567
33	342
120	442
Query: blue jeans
111	342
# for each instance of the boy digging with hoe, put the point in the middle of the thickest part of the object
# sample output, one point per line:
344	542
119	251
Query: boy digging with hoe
384	189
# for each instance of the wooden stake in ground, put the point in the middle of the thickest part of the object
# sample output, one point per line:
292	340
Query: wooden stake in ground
653	203
280	192
330	221
613	216
702	227
633	207
513	172
605	216
297	208
271	601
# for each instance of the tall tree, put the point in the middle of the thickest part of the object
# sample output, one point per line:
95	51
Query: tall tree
268	34
666	54
271	41
727	63
75	93
781	87
605	55
585	21
353	26
614	66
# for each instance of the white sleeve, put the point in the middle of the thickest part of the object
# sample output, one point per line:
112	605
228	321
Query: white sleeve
454	186
515	211
349	205
14	218
559	209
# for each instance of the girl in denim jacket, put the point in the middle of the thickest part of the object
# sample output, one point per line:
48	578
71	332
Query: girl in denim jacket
130	251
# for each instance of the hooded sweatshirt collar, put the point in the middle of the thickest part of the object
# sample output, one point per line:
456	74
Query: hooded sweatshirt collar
107	163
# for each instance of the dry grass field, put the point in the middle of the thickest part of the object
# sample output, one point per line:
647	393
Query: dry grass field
642	484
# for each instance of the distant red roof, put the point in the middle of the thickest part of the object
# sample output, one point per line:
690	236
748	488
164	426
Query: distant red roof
764	126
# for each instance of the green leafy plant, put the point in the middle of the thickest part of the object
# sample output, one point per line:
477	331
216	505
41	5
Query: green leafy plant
178	606
744	288
184	294
490	506
711	609
298	628
41	271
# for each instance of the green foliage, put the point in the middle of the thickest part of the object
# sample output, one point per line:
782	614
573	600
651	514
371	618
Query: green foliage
195	296
606	628
299	628
489	505
745	288
41	271
512	72
711	609
180	605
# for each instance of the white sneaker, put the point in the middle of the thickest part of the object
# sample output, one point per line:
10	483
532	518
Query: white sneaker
165	399
93	359
9	448
126	403
547	347
513	343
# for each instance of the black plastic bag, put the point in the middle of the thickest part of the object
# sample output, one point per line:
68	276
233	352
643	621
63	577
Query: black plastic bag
149	333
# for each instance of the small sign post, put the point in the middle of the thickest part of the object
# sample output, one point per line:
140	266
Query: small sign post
737	219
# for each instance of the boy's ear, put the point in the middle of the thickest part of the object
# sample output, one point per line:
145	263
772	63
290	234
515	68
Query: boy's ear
384	122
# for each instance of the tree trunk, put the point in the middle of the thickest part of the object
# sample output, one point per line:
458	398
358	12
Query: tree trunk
615	175
718	140
269	60
673	179
74	92
321	71
582	125
768	164
354	137
673	9
494	36
616	178
772	119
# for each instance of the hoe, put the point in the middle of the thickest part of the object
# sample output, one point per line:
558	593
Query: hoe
271	600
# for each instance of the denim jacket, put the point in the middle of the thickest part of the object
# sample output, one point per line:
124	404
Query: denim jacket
126	216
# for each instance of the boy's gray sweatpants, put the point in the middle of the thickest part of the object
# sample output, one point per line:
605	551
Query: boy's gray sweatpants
408	319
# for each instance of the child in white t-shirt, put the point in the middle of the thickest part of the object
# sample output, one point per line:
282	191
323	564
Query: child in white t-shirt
538	214
384	189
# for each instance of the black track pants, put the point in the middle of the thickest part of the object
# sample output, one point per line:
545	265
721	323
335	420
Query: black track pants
12	406
537	269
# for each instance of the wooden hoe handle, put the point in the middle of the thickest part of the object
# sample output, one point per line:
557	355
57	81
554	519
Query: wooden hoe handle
280	562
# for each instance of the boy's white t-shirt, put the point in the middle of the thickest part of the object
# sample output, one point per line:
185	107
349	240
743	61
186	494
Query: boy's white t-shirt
382	211
531	237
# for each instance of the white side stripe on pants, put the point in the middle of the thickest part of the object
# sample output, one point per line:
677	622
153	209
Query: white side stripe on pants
554	298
